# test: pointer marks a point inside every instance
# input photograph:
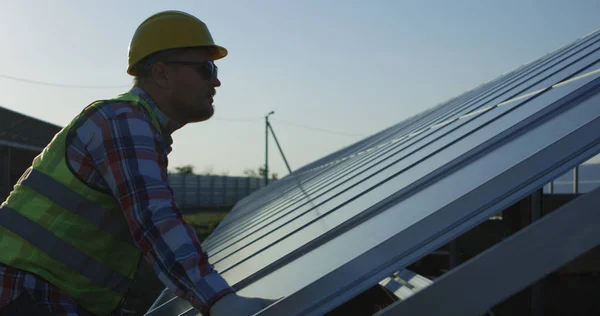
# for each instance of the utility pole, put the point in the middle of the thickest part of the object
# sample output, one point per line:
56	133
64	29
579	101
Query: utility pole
267	147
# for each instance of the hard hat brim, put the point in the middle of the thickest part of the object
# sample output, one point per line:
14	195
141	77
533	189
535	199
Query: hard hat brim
219	52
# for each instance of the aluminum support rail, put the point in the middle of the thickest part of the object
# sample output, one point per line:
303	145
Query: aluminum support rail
511	265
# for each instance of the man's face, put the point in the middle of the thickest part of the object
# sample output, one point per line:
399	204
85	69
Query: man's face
194	86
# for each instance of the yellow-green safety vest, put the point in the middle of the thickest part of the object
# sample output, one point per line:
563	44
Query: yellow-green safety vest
73	236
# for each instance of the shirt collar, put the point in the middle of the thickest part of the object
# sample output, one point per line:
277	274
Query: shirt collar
167	125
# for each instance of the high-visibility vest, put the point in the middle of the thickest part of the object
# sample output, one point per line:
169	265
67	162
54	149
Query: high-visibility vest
73	236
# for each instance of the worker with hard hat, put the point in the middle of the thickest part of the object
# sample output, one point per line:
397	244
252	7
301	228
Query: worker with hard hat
95	205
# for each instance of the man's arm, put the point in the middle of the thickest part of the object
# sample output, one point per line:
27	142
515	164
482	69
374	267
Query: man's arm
134	165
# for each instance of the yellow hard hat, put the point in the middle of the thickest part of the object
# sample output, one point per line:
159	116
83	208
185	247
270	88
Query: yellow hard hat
170	29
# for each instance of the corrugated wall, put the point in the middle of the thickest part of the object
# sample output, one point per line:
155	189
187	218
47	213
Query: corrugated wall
197	191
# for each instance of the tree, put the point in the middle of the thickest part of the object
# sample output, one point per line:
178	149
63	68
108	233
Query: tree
259	173
186	170
250	173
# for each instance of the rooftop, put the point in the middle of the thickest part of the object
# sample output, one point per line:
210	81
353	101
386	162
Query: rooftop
21	131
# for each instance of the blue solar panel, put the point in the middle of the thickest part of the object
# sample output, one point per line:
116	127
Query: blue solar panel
359	167
343	223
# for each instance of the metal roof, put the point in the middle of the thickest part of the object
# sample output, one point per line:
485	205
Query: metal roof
22	131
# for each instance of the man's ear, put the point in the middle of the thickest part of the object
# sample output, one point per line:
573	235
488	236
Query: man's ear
161	75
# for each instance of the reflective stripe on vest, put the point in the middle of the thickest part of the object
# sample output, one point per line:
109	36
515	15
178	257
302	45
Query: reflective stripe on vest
62	251
109	221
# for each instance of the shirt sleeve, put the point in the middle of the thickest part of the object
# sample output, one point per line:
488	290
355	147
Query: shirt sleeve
132	158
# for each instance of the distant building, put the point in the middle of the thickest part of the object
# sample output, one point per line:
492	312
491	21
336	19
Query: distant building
22	138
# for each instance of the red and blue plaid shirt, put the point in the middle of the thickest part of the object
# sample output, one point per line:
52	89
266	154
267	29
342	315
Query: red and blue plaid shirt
117	149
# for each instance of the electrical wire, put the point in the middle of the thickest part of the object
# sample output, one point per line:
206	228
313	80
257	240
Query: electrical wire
60	85
238	119
285	123
315	128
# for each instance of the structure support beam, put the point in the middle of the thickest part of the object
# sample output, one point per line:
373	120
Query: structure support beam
453	254
536	288
576	180
512	265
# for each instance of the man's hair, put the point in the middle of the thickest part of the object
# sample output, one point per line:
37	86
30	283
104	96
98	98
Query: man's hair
143	68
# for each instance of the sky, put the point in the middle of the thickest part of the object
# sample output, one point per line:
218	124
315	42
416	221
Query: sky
334	72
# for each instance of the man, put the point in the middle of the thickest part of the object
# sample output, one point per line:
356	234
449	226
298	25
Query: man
96	204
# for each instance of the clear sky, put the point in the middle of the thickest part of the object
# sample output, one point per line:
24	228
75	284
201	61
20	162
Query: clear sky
351	67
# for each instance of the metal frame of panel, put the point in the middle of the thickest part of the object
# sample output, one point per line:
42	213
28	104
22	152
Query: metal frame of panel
525	257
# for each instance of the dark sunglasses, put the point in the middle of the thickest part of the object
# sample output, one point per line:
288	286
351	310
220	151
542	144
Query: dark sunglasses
207	69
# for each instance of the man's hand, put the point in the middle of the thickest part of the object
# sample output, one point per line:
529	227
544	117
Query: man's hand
234	305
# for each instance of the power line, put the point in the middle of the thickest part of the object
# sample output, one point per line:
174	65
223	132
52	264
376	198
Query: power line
60	85
238	119
316	129
286	123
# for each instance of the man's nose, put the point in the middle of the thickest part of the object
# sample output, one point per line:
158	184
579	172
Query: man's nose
216	82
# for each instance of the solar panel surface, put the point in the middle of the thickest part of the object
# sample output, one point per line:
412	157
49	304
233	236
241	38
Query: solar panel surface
345	222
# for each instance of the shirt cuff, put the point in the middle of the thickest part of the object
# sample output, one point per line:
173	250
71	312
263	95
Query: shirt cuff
219	288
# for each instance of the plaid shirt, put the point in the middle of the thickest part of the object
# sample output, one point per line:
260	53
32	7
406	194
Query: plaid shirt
103	153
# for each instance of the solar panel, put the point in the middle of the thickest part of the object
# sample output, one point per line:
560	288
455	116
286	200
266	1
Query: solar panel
332	229
482	105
